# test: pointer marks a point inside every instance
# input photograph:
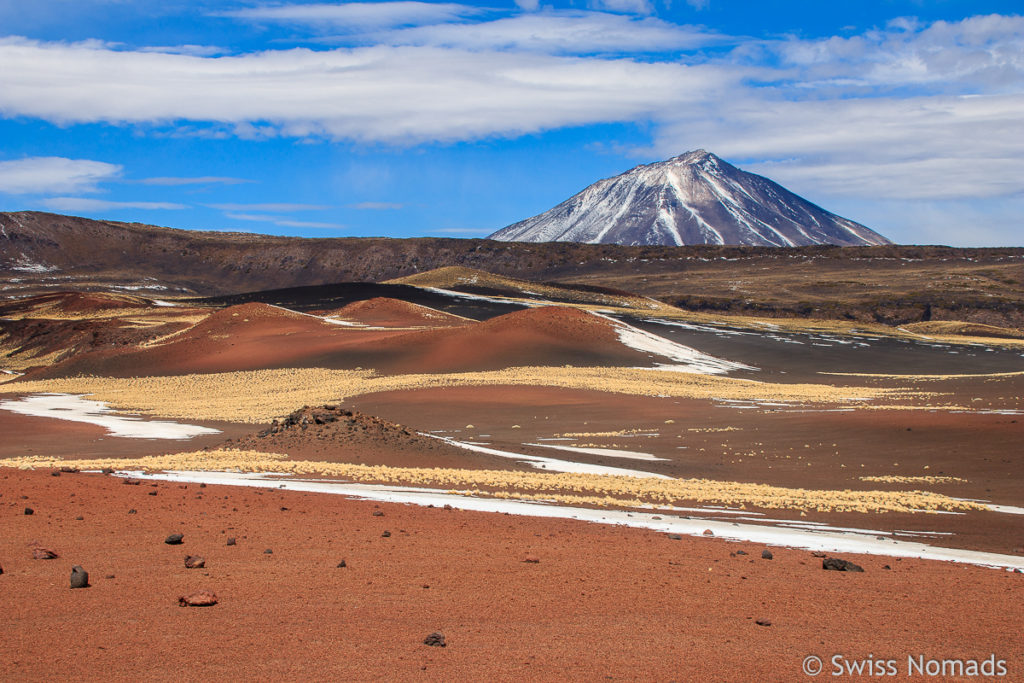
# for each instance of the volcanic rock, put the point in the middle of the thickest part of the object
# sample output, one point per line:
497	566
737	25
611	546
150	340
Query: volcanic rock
203	598
838	565
79	577
174	539
194	562
435	639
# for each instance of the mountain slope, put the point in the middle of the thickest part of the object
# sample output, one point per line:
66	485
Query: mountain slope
694	198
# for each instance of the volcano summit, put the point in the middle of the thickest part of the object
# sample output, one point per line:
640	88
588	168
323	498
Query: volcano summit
694	198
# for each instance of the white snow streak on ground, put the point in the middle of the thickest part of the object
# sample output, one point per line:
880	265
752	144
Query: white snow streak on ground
807	539
686	359
609	452
76	408
550	464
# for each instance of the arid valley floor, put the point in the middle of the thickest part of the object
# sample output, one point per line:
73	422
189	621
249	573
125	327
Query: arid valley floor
566	482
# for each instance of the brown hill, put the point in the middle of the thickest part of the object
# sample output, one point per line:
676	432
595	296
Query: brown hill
549	335
72	305
387	312
330	433
243	337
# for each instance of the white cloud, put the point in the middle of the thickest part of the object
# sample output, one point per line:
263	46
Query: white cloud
269	207
978	54
922	147
357	15
564	32
84	204
199	180
43	175
390	94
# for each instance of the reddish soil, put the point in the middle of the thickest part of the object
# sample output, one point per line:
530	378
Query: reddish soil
549	335
71	303
385	312
601	602
792	449
25	435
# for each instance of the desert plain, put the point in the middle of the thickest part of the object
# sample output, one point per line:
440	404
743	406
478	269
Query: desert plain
565	482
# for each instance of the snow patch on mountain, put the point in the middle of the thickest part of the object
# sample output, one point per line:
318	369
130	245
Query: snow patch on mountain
694	198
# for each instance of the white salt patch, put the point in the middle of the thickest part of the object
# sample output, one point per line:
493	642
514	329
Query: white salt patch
609	452
806	539
171	304
76	408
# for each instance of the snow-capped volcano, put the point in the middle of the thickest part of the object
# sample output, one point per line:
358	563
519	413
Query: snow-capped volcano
694	198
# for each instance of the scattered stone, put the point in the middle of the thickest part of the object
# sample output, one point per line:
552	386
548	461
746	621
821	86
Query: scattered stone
675	537
110	576
268	551
202	598
231	541
29	511
378	513
107	470
435	639
39	553
132	482
532	559
386	534
68	469
55	473
818	553
655	517
1	570
741	552
152	493
342	565
767	554
838	565
202	485
79	577
133	511
763	622
194	562
885	566
174	539
79	518
708	532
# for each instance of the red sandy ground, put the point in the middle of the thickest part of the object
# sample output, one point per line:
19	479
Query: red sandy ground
602	603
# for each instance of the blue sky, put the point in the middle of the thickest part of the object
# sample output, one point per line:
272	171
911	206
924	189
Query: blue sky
454	119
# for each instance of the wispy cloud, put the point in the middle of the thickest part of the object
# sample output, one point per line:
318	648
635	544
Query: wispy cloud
85	204
376	206
199	180
270	207
356	15
284	221
564	32
46	175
